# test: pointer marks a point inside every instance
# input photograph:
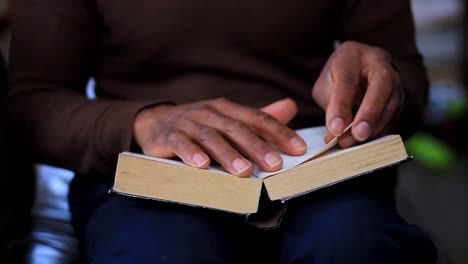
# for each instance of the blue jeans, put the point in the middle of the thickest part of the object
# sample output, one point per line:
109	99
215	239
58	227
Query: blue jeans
352	222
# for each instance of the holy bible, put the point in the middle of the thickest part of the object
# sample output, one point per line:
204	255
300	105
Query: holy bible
322	165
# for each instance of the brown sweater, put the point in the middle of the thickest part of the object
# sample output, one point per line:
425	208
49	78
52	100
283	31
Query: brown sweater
144	52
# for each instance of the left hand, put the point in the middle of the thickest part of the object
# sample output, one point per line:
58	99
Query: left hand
358	75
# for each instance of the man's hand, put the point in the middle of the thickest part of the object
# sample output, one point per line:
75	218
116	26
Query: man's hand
357	75
231	134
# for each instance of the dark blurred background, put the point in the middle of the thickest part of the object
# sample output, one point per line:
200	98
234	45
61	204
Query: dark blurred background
432	190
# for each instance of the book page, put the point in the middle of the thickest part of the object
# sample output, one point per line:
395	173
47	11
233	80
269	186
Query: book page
313	136
315	139
214	168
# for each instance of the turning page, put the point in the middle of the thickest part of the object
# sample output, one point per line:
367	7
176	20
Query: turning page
313	136
315	139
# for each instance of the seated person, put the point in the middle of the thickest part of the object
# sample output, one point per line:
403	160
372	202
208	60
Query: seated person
206	82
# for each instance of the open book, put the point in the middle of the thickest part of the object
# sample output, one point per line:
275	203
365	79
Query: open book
322	165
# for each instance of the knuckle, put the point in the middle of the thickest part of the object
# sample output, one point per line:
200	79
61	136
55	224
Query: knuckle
370	113
161	145
206	134
163	139
347	52
228	155
370	110
175	137
264	118
350	49
349	45
179	119
206	110
221	101
346	79
285	133
281	133
232	126
342	105
180	123
264	123
380	53
193	126
387	73
258	148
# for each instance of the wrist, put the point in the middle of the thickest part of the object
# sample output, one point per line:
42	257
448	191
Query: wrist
146	119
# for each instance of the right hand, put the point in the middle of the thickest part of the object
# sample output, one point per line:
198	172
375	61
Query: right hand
359	75
227	132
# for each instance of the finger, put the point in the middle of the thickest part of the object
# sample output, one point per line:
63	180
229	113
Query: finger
217	147
264	125
347	140
322	90
345	73
223	152
177	143
283	110
189	152
381	85
242	137
328	137
390	115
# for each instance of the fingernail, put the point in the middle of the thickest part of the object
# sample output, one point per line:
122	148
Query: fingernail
298	143
240	165
272	159
336	126
347	141
362	131
199	159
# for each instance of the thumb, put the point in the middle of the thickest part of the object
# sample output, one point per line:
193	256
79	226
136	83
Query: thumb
283	110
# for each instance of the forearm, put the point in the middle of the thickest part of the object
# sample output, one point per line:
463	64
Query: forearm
53	54
68	130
